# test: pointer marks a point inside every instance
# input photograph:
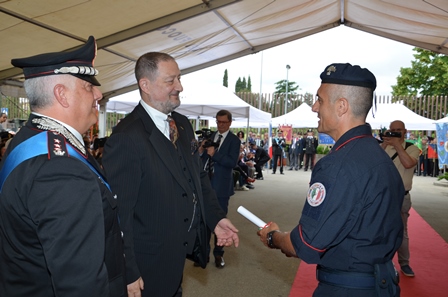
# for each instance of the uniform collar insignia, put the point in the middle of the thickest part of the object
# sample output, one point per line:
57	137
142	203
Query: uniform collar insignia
47	124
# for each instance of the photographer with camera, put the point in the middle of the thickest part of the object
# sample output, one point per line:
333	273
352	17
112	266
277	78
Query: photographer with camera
220	152
405	156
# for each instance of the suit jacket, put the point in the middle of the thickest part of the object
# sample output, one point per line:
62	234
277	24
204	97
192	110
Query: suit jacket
225	159
59	231
261	156
155	199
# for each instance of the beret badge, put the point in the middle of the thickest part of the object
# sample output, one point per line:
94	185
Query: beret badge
331	69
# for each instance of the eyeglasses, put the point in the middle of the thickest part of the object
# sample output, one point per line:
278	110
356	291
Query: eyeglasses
222	122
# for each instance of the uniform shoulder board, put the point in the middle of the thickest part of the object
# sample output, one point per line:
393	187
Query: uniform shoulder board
56	145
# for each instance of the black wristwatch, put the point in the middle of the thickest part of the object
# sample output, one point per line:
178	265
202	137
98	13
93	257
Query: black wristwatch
270	239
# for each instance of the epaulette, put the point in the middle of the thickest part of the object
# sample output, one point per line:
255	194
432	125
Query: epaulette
57	146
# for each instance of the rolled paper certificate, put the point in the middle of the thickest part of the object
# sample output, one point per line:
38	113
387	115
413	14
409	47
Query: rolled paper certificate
251	217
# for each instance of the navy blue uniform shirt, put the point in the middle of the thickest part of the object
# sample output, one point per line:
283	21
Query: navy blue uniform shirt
351	219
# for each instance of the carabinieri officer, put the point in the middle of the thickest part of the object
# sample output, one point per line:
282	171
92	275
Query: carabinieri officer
351	224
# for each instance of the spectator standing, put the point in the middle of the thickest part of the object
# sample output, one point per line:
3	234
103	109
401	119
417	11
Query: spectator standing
278	145
222	158
311	144
294	152
404	155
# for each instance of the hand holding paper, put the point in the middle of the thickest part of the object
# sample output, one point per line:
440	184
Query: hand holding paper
251	217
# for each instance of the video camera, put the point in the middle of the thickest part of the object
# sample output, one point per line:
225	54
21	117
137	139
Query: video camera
206	134
390	134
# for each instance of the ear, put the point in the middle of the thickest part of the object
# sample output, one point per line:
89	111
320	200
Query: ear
60	93
342	106
144	85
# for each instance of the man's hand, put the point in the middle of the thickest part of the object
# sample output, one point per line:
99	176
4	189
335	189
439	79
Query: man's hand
226	233
393	141
211	151
135	288
263	233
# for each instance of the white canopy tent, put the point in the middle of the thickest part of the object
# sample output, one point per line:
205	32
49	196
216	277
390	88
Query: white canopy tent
202	103
387	113
301	117
198	33
442	120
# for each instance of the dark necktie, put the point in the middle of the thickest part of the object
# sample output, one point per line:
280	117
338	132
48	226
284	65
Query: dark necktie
218	142
173	130
210	164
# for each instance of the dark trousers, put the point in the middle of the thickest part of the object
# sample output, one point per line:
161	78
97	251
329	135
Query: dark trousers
274	166
258	169
218	250
309	160
422	162
301	155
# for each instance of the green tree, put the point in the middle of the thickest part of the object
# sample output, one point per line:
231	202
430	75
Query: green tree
238	85
225	80
280	87
428	75
243	86
280	92
249	84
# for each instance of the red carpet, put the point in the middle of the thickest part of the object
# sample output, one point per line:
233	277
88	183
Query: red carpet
429	258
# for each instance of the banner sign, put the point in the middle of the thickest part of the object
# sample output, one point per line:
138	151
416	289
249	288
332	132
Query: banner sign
442	145
325	139
287	133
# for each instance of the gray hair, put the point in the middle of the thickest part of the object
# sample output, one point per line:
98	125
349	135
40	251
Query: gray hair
40	91
359	98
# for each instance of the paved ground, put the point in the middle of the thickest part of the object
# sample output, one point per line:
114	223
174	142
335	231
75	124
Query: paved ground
252	269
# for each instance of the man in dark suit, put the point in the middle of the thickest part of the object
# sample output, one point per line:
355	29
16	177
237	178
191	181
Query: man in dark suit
221	158
261	157
59	230
294	152
164	196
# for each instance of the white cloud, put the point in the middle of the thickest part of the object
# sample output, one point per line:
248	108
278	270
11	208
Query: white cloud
308	57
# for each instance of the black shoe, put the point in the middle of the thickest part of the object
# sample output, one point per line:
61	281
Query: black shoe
219	262
273	172
249	186
290	169
260	178
281	173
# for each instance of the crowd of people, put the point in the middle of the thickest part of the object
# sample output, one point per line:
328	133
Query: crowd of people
118	216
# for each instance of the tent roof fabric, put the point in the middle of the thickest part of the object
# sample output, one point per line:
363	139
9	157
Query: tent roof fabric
301	117
384	114
198	33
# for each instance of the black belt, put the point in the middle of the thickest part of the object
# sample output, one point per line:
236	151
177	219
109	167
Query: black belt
351	280
405	193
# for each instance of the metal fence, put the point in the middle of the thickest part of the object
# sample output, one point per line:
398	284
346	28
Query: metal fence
431	107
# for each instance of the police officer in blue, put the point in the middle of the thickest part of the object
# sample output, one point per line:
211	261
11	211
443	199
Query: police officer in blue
59	229
350	224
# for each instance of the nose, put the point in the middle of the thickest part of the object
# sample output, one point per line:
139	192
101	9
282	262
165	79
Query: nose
97	93
315	107
179	86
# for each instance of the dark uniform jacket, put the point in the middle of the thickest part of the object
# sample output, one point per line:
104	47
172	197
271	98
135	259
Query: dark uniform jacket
155	184
59	231
278	144
351	219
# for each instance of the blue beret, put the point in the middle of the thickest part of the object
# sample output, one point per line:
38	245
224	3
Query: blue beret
346	74
78	63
